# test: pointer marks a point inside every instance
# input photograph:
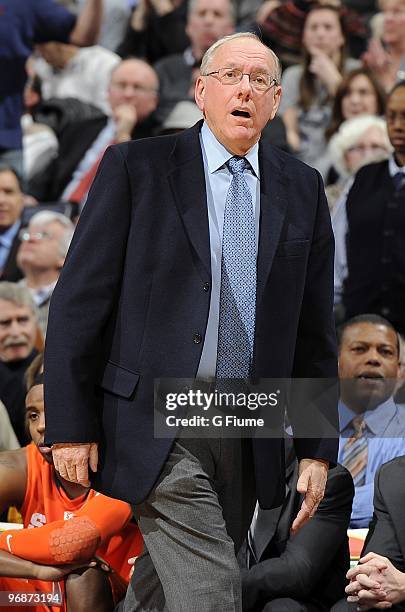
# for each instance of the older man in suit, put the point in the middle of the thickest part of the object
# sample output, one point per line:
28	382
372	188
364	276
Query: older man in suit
200	254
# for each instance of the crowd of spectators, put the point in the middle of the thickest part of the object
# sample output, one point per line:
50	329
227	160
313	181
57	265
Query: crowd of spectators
81	75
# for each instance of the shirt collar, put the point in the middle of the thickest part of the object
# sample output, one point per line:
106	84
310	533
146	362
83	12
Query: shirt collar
218	155
376	419
7	237
393	167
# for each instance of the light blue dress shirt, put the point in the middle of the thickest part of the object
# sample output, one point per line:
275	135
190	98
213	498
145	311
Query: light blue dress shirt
217	180
385	432
6	240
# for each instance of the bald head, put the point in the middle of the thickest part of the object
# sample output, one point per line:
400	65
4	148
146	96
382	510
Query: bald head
134	81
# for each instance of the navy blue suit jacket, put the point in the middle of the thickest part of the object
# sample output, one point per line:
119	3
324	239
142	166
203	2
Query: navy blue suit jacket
131	299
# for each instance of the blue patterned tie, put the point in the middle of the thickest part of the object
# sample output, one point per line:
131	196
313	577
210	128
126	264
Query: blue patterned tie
238	278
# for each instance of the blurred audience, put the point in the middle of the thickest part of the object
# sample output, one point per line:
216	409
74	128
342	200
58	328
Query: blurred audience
386	57
183	115
44	245
207	21
22	25
157	28
40	144
372	426
116	15
8	439
11	205
359	93
369	228
18	336
309	88
68	71
358	141
133	97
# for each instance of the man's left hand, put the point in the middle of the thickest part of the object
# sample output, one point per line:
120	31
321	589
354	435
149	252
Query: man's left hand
72	461
312	477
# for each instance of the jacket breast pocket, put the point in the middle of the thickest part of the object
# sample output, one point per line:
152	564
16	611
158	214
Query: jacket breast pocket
118	380
292	248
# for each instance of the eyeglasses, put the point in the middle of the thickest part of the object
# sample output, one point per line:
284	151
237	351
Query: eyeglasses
261	81
25	235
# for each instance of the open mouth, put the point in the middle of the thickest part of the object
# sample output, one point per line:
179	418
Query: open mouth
241	113
371	376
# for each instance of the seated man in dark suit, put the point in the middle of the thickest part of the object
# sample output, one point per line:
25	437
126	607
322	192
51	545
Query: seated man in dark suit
378	582
305	572
11	205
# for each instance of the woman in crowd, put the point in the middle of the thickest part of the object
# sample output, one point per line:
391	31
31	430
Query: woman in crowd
359	141
76	557
308	89
359	93
386	55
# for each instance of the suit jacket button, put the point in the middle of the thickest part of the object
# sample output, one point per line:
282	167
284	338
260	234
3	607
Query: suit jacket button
206	286
197	338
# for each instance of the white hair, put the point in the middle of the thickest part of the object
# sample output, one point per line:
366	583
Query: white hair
44	217
348	136
210	53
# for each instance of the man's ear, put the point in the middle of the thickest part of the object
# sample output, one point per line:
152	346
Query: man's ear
199	93
277	100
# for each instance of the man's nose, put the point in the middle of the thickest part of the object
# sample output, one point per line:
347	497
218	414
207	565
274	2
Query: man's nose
245	87
373	357
15	328
41	424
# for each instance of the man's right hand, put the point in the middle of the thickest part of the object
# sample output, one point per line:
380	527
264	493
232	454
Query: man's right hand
71	460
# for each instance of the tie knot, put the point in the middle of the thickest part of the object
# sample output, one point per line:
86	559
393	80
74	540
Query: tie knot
359	426
237	164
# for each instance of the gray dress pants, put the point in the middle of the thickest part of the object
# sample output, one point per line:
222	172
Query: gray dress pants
193	523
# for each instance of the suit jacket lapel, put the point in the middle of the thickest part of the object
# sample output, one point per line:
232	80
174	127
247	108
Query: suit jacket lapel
187	182
273	206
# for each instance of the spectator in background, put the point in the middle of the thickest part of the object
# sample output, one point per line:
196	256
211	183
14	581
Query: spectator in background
11	205
308	89
207	21
372	426
281	23
65	525
44	245
133	97
21	25
358	141
8	439
359	93
184	115
386	57
67	71
40	144
305	572
400	390
157	28
18	335
116	15
369	229
378	582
